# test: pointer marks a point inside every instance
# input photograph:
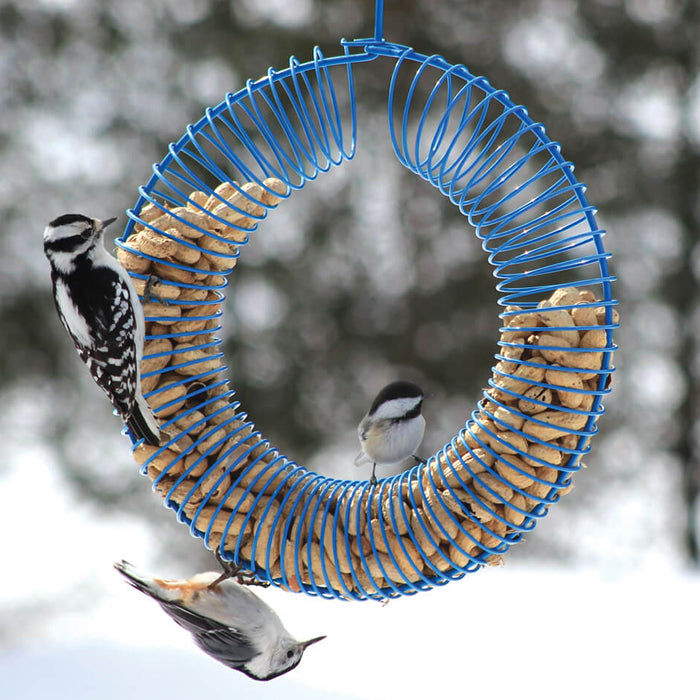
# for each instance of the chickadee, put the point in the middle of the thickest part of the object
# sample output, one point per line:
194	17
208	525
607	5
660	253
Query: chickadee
227	621
99	307
393	428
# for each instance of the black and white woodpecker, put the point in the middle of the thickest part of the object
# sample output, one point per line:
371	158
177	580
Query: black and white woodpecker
99	307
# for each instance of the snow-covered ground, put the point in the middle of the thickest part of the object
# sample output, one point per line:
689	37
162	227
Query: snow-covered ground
521	631
618	626
502	633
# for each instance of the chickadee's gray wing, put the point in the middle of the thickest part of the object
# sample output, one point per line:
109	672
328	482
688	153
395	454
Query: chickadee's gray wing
362	433
363	428
361	459
226	644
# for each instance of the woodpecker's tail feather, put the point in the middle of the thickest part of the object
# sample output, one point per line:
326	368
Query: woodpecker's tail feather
143	424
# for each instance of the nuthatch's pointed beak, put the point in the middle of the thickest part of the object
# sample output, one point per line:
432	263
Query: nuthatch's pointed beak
308	643
106	222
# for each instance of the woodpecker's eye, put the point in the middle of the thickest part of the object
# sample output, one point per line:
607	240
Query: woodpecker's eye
86	233
290	653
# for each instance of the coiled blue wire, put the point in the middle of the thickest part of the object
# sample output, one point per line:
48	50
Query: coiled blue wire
512	184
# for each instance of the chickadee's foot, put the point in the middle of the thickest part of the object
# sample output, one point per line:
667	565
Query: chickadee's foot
148	295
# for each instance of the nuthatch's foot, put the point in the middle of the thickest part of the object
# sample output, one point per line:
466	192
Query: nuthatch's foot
373	479
419	460
231	570
249	579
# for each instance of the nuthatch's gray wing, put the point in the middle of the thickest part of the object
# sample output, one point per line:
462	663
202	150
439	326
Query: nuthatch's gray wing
196	607
226	644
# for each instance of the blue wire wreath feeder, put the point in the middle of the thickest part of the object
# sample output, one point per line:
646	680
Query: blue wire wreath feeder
517	452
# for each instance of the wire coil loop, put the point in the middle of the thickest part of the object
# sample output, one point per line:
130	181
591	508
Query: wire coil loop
515	455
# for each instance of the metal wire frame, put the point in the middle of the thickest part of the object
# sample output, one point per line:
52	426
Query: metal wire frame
497	165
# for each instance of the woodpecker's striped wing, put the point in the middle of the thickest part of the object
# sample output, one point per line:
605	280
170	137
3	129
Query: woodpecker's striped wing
107	344
112	360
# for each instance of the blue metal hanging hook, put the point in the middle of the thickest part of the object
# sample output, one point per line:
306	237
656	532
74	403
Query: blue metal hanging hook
379	21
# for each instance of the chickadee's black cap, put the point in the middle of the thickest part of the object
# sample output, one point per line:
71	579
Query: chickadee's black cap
396	390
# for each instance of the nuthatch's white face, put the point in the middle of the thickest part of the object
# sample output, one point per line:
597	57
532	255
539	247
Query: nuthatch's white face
286	656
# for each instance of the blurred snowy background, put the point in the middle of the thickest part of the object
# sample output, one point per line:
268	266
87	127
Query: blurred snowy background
603	596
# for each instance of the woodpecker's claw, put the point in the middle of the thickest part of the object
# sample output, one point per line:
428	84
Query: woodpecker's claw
148	295
231	570
196	393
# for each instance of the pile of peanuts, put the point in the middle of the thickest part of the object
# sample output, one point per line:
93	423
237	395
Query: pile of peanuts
191	266
457	510
524	432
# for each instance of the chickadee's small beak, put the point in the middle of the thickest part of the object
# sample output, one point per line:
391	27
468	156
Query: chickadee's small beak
106	222
304	645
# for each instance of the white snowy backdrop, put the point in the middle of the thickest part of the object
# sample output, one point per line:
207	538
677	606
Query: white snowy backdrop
601	599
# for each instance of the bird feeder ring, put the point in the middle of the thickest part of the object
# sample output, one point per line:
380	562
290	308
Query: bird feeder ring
517	452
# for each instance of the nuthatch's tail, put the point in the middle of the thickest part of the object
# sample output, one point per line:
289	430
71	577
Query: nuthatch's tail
141	582
167	591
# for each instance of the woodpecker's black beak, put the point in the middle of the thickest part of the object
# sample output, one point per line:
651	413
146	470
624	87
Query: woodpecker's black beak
308	643
106	222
